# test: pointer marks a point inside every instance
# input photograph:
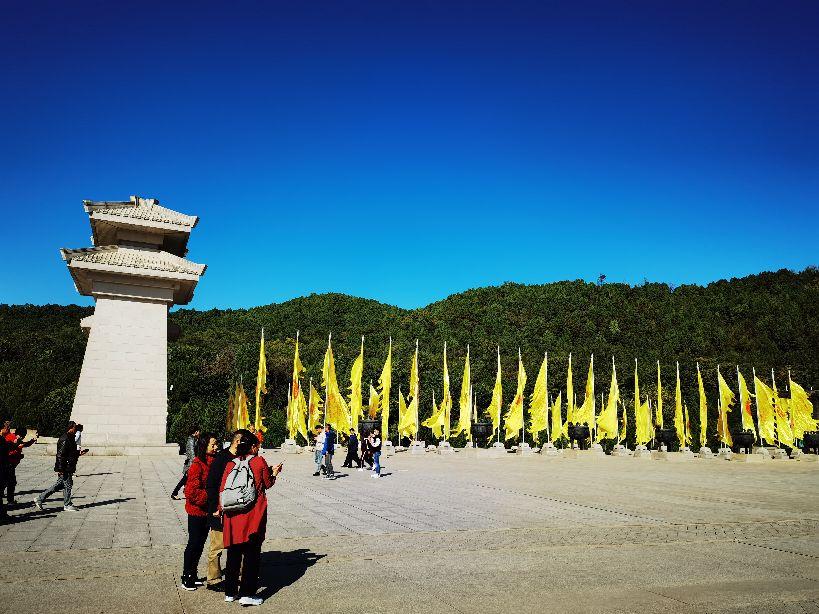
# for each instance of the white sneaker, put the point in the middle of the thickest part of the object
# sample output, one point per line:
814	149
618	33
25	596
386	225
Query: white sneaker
70	508
228	598
251	601
361	468
37	504
374	475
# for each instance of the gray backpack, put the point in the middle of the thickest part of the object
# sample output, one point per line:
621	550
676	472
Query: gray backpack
240	488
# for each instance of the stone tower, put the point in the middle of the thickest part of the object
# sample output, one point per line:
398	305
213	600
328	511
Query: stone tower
136	271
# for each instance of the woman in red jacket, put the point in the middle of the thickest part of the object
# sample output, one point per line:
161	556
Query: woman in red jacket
196	505
243	532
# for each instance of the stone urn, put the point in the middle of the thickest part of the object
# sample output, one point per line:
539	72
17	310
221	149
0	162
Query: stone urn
810	442
744	441
482	429
366	427
579	433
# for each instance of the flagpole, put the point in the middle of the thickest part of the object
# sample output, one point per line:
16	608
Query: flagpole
548	404
499	400
756	396
776	409
522	416
415	392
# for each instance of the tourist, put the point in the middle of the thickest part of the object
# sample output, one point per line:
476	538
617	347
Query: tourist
214	482
4	462
244	530
375	446
327	451
352	451
196	506
366	453
257	434
318	449
15	455
65	464
190	454
78	436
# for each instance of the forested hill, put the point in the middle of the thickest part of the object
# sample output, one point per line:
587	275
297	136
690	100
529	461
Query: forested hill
768	321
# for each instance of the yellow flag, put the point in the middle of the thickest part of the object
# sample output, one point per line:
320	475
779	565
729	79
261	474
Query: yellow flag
243	420
513	420
465	402
585	413
355	388
745	405
293	393
658	416
643	423
300	416
314	408
679	422
607	422
539	402
765	411
569	393
623	424
402	414
372	409
446	402
436	421
801	410
385	384
688	438
784	431
557	420
261	386
336	413
494	409
726	399
409	426
703	409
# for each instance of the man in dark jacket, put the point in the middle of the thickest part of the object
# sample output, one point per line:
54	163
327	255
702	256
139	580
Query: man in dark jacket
352	451
65	465
329	447
212	485
190	453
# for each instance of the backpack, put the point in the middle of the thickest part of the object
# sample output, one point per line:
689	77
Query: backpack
239	494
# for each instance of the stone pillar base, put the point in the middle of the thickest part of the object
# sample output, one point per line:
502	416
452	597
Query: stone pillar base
524	449
621	450
725	453
796	453
570	453
290	447
445	448
498	450
780	454
387	449
749	458
417	447
659	455
642	452
549	451
809	458
683	455
705	452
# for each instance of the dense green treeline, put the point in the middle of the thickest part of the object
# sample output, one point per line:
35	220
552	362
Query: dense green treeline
770	321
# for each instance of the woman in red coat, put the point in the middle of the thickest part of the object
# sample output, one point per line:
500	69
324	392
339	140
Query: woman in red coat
196	505
243	532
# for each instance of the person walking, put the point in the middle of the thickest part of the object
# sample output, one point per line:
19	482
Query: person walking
327	451
244	530
366	454
318	449
190	453
5	448
15	455
65	464
352	451
375	446
212	485
196	506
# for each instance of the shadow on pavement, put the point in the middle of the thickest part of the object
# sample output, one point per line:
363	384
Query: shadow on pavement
89	475
55	508
280	569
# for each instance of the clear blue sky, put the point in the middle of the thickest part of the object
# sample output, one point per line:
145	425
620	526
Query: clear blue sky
405	151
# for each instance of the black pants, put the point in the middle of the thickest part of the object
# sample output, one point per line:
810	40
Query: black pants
3	474
181	483
11	483
243	558
197	534
352	457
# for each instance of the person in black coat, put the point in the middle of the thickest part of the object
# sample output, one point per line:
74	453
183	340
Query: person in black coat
352	451
65	464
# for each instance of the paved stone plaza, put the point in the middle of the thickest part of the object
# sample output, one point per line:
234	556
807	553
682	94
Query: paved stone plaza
438	534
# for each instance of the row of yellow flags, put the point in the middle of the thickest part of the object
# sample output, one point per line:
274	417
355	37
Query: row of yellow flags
780	420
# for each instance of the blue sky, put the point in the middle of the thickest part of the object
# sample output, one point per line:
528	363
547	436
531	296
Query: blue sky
405	151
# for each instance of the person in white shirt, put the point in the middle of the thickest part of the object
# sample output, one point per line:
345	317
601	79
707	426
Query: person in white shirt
319	434
375	446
